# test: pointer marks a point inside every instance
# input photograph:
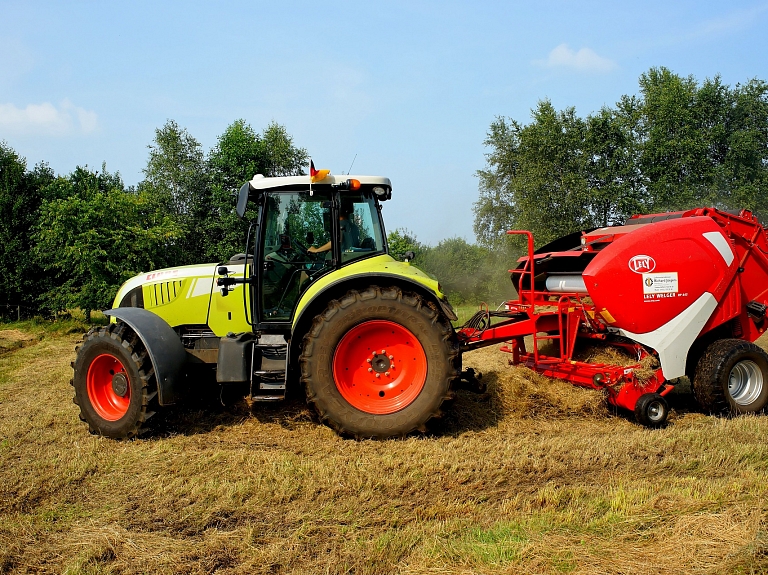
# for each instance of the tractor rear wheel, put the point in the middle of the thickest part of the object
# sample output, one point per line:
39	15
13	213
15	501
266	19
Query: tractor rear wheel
379	363
732	377
114	382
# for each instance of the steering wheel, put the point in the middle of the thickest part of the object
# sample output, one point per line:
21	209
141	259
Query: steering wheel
304	250
301	247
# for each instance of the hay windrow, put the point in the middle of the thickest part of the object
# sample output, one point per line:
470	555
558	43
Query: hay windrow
618	356
520	393
609	355
14	339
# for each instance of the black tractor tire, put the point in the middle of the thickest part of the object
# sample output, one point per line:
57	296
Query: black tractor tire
114	382
370	416
651	410
732	378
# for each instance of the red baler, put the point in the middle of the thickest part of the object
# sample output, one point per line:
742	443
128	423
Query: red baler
689	287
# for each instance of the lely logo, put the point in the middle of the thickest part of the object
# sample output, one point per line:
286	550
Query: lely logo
642	264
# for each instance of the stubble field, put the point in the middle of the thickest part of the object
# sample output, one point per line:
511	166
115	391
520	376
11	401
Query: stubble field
536	476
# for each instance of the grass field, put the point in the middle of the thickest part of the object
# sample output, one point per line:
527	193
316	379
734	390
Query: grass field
536	476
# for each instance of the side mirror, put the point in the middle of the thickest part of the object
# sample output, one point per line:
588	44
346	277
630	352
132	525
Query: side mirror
408	256
242	199
310	238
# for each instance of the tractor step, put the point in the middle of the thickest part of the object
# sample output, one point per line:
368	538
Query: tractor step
267	398
270	365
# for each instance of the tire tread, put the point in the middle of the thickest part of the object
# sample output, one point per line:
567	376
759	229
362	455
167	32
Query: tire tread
127	339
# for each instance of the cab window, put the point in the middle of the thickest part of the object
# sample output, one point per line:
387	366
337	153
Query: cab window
360	227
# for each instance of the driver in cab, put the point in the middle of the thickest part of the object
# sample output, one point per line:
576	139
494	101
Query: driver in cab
350	234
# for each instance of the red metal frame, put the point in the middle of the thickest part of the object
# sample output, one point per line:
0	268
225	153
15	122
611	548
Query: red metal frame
566	317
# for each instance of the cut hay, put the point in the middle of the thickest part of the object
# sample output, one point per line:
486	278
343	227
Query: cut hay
533	477
516	392
611	355
13	339
608	355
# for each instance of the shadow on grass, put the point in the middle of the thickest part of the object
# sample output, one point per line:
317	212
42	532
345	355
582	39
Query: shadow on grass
210	407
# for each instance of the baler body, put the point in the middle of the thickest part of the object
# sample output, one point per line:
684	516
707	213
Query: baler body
665	284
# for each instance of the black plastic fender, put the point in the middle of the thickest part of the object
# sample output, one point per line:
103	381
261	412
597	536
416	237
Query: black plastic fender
163	345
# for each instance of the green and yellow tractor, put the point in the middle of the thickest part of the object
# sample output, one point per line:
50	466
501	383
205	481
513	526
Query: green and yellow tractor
316	301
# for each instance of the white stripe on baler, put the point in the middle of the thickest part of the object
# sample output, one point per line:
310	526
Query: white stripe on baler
718	240
673	339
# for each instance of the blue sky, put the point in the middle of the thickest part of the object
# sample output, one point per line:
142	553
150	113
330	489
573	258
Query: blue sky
408	87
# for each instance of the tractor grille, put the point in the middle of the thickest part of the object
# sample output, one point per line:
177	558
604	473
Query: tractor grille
162	293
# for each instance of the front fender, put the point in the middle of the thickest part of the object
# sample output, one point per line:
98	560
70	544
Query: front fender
163	346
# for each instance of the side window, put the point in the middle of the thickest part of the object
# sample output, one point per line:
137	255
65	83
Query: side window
365	235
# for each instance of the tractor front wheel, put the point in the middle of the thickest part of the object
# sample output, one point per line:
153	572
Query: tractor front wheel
114	382
379	363
732	376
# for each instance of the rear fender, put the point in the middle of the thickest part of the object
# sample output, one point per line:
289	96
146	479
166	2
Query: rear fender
163	346
337	289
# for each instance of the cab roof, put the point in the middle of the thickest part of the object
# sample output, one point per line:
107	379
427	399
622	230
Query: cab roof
259	182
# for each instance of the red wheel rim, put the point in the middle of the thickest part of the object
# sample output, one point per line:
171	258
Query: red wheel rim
379	367
102	385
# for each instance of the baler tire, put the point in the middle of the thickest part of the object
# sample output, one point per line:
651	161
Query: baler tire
651	410
732	378
357	401
109	351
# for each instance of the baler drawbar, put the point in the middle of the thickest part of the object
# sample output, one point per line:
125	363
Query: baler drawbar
689	288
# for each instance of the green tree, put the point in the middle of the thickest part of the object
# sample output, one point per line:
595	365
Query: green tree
96	236
468	273
677	145
401	241
22	278
614	182
239	154
536	177
176	176
281	157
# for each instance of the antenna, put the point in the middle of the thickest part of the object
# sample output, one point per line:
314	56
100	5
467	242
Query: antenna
349	171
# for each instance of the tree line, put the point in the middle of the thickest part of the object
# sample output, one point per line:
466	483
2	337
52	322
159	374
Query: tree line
70	241
677	144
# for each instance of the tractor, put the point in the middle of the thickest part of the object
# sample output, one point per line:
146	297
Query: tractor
316	299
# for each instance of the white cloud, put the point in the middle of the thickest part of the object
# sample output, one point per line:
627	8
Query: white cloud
47	119
585	60
731	22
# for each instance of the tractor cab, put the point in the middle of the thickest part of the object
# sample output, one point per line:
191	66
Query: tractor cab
306	230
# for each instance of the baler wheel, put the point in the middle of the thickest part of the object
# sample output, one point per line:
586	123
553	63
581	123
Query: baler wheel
114	382
651	410
732	377
379	363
